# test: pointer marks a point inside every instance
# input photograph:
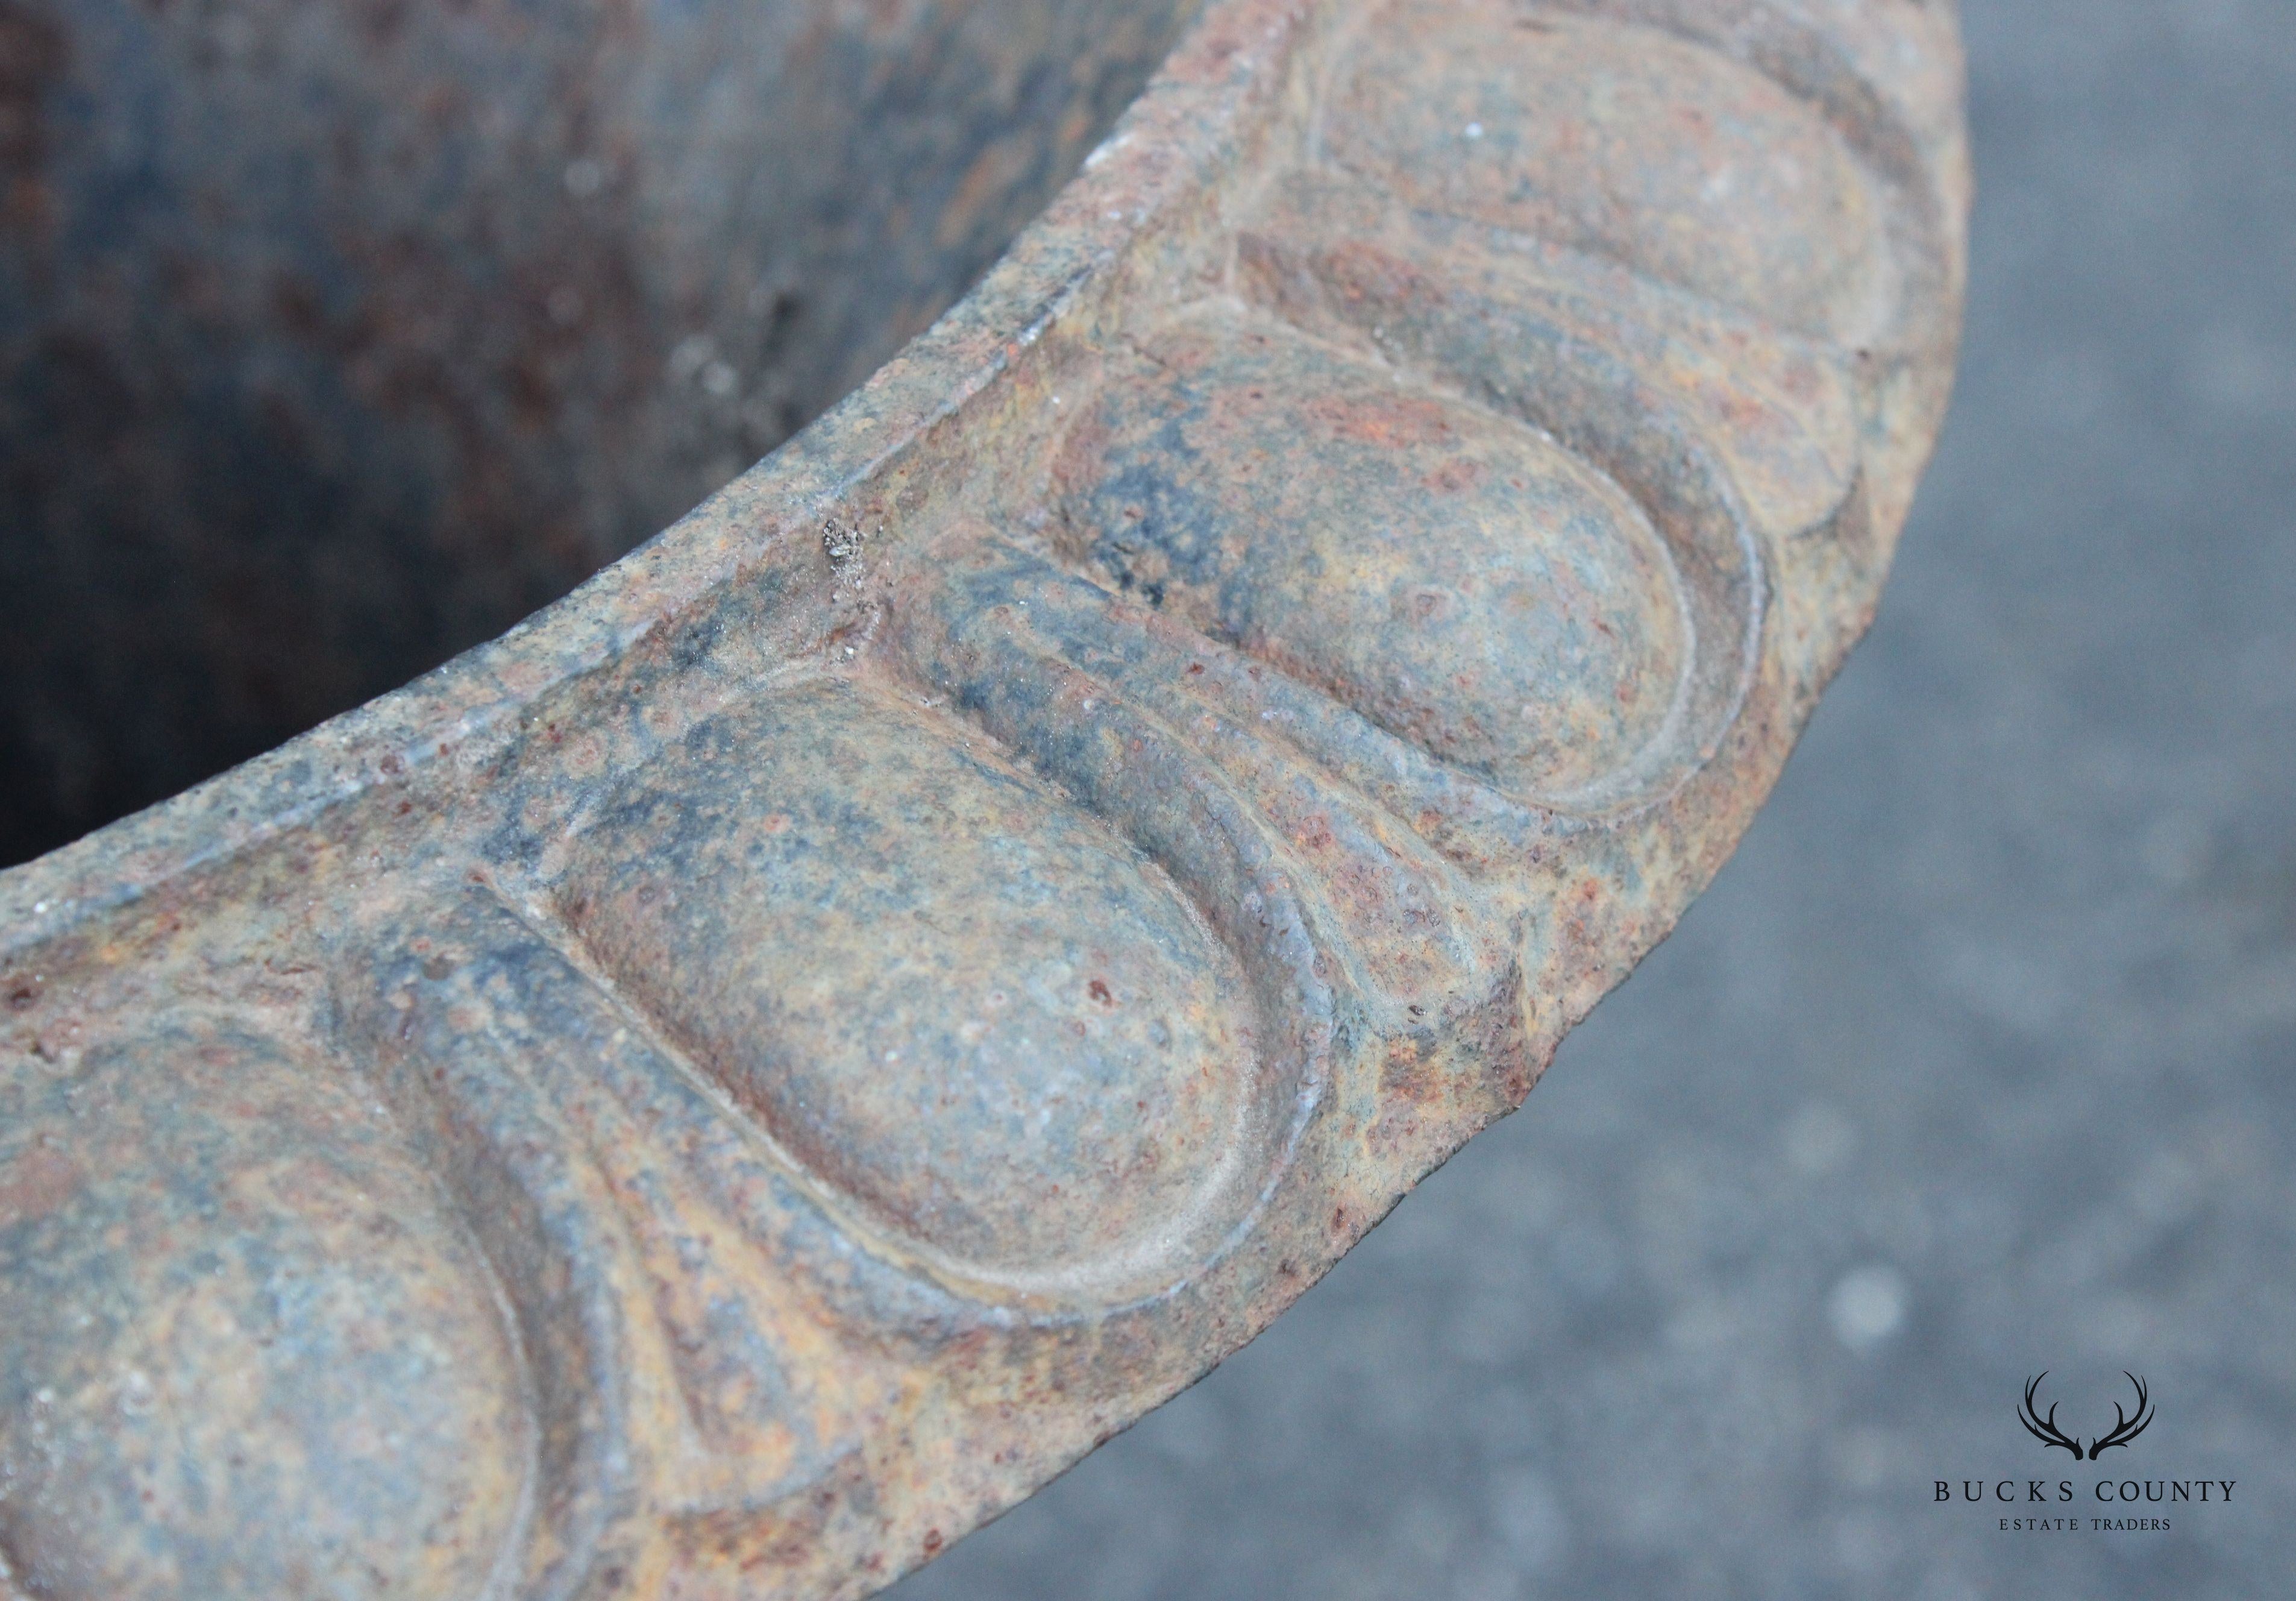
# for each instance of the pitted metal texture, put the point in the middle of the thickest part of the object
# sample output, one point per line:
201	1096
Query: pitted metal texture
728	1087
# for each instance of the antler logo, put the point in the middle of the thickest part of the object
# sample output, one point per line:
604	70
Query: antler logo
2126	1427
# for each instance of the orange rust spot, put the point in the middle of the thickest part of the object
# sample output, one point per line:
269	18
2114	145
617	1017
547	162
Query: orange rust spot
1392	422
1406	1075
1365	272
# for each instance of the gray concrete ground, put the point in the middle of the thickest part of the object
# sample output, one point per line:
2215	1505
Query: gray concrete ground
1976	1062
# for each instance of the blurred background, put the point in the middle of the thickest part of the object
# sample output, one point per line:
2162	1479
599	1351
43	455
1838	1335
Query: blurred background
1979	1058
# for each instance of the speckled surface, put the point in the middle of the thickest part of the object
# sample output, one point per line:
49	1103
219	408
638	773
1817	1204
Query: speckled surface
337	338
901	974
1978	1059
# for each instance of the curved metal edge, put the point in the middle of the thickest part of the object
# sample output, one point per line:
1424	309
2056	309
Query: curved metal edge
1139	182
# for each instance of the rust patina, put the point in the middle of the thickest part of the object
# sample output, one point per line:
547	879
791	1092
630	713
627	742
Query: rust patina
729	1086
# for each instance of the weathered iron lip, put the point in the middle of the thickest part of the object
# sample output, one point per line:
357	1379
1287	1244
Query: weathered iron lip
719	949
1154	163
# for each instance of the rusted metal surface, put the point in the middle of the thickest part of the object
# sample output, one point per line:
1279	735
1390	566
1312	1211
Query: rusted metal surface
725	1088
336	338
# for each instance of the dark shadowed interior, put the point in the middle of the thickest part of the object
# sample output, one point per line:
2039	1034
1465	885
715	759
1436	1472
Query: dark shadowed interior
337	335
